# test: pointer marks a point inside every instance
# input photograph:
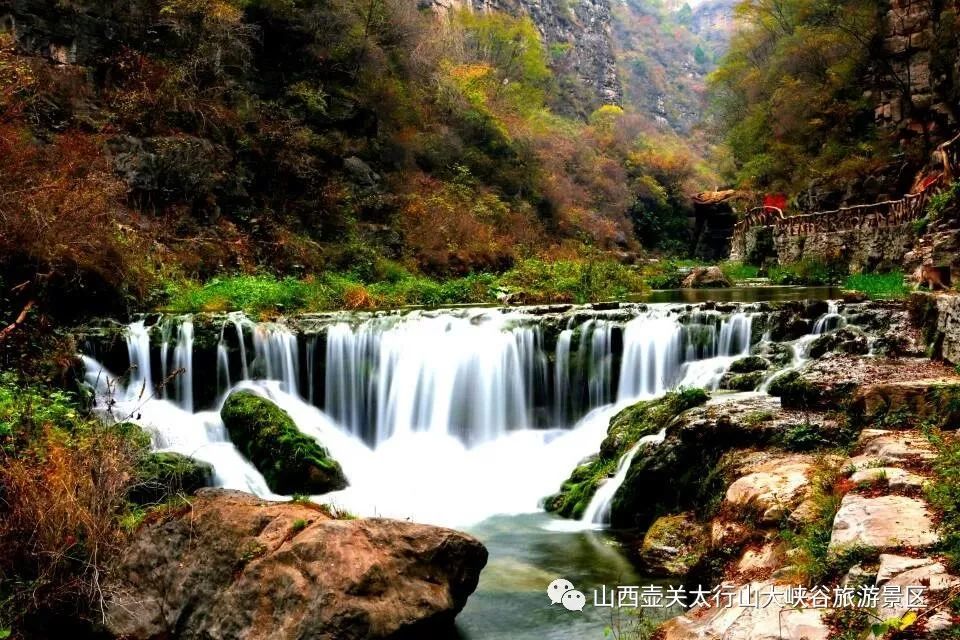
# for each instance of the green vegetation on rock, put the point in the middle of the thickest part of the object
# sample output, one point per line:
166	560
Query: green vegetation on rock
290	461
161	475
626	428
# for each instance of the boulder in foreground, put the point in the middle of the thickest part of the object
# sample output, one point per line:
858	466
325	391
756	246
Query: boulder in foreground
234	567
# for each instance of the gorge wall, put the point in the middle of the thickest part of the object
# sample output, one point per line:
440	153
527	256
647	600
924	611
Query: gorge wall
919	78
578	35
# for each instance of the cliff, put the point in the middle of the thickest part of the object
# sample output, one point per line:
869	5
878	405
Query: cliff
579	39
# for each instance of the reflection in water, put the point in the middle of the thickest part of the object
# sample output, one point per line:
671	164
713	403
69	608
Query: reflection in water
526	554
738	294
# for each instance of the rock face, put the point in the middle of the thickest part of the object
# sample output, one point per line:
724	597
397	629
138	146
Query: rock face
886	522
290	461
939	318
234	567
582	30
705	278
771	489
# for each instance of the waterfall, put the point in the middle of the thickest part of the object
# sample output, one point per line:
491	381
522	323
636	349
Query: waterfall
275	354
183	364
445	416
138	349
598	510
561	377
223	364
830	320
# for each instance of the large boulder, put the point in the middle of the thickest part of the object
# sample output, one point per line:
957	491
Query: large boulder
885	522
705	278
644	418
290	461
234	567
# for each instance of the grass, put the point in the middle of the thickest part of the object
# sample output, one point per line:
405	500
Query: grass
534	281
879	286
736	271
807	273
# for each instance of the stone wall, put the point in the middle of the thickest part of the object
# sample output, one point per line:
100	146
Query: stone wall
876	249
939	319
919	76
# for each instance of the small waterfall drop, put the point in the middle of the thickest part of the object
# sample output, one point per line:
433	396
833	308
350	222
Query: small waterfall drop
561	376
598	510
829	321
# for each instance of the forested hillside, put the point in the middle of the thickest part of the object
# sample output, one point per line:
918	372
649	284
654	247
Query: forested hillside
835	102
157	142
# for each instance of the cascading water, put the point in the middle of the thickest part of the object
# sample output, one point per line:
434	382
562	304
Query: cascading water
598	510
830	320
421	408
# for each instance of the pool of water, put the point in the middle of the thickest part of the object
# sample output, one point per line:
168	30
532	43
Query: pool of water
527	552
738	294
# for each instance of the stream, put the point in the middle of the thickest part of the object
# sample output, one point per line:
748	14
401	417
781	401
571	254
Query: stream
466	418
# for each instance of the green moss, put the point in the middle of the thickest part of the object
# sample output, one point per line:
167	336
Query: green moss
741	381
164	474
793	390
625	429
943	493
749	364
289	460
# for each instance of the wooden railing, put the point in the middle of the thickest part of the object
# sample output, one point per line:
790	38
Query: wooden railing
889	213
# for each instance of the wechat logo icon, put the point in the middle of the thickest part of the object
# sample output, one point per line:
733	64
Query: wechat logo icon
561	591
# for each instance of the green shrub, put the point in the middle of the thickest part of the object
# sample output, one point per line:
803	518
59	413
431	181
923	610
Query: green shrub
942	202
807	272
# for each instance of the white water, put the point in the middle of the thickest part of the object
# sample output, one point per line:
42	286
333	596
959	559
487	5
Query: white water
432	416
598	510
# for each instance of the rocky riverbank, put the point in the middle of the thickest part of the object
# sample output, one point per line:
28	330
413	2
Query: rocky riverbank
829	482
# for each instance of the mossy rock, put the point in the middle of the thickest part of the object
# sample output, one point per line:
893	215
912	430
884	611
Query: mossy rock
161	475
741	381
626	428
793	390
749	364
673	545
290	461
779	355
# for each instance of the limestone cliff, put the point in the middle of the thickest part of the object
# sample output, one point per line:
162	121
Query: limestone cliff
919	76
578	35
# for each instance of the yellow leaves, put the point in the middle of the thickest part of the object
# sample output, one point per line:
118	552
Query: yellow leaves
214	11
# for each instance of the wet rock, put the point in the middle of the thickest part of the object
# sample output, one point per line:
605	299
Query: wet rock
741	381
644	418
886	522
233	567
779	355
749	364
843	340
290	461
672	545
705	278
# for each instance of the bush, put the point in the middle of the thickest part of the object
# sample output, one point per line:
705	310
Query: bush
65	479
808	273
